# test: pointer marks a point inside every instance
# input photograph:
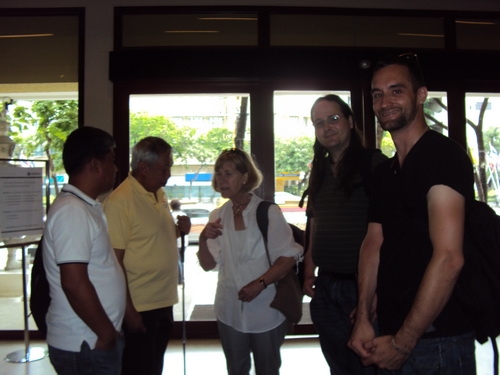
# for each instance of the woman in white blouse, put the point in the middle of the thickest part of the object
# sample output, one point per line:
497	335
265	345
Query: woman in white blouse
232	243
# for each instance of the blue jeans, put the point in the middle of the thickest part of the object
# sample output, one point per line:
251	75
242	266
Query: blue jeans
440	356
264	346
86	361
334	300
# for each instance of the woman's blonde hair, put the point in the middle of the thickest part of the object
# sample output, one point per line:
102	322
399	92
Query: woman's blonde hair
243	163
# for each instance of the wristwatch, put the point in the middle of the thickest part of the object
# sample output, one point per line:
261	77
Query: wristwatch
263	282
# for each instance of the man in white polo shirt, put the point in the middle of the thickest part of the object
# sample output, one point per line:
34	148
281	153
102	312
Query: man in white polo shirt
87	284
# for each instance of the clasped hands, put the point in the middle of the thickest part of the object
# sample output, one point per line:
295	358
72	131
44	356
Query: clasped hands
379	351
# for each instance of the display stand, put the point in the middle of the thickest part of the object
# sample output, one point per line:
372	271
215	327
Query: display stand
28	354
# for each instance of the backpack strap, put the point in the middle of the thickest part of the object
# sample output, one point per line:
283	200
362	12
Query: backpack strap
263	223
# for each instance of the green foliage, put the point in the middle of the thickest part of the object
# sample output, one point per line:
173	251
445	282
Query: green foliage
387	145
142	125
187	143
293	155
492	137
208	146
42	129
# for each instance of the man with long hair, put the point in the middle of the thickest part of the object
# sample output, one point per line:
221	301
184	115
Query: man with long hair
337	209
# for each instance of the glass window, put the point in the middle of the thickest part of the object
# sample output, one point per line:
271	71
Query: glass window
212	29
293	148
198	127
36	129
356	31
38	99
39	54
478	34
483	142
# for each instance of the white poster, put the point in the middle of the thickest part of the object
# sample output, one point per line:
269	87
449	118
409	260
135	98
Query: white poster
21	201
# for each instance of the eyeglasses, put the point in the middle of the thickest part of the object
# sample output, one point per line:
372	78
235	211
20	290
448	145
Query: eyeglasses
330	120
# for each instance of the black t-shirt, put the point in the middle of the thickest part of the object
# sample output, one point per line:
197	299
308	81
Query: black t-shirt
340	221
400	205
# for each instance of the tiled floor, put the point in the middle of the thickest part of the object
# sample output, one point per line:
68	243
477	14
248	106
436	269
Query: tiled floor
300	356
202	357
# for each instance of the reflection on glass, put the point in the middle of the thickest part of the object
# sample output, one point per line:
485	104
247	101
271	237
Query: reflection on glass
478	34
358	31
211	29
483	142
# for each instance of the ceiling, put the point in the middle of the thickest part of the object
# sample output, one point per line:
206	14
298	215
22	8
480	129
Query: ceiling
39	54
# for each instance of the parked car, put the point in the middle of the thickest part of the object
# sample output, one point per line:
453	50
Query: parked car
199	215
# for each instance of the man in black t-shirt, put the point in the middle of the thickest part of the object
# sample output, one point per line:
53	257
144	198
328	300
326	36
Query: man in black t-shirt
412	254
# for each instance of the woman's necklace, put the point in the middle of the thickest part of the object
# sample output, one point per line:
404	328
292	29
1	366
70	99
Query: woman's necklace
238	208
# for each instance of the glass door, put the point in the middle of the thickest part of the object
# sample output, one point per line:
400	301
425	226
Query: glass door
483	144
198	127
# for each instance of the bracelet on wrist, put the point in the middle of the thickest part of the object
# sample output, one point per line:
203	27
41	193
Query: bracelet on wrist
263	282
397	348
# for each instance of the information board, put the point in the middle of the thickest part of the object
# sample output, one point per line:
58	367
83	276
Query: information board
21	201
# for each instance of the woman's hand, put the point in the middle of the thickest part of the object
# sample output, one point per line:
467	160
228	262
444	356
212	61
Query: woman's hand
212	230
250	291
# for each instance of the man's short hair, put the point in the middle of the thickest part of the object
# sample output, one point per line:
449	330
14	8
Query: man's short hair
175	204
148	150
84	144
410	60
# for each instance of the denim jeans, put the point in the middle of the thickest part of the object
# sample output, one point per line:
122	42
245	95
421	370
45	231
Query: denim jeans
440	356
86	361
264	346
334	300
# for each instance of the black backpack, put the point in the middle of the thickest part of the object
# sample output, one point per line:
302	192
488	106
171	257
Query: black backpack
40	296
478	286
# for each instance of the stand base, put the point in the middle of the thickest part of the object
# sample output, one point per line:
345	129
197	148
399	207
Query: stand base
23	356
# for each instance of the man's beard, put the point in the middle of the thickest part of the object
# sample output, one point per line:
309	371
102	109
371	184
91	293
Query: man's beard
399	123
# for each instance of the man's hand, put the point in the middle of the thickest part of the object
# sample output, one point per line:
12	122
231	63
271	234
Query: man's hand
107	343
308	287
133	321
385	354
361	337
184	224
